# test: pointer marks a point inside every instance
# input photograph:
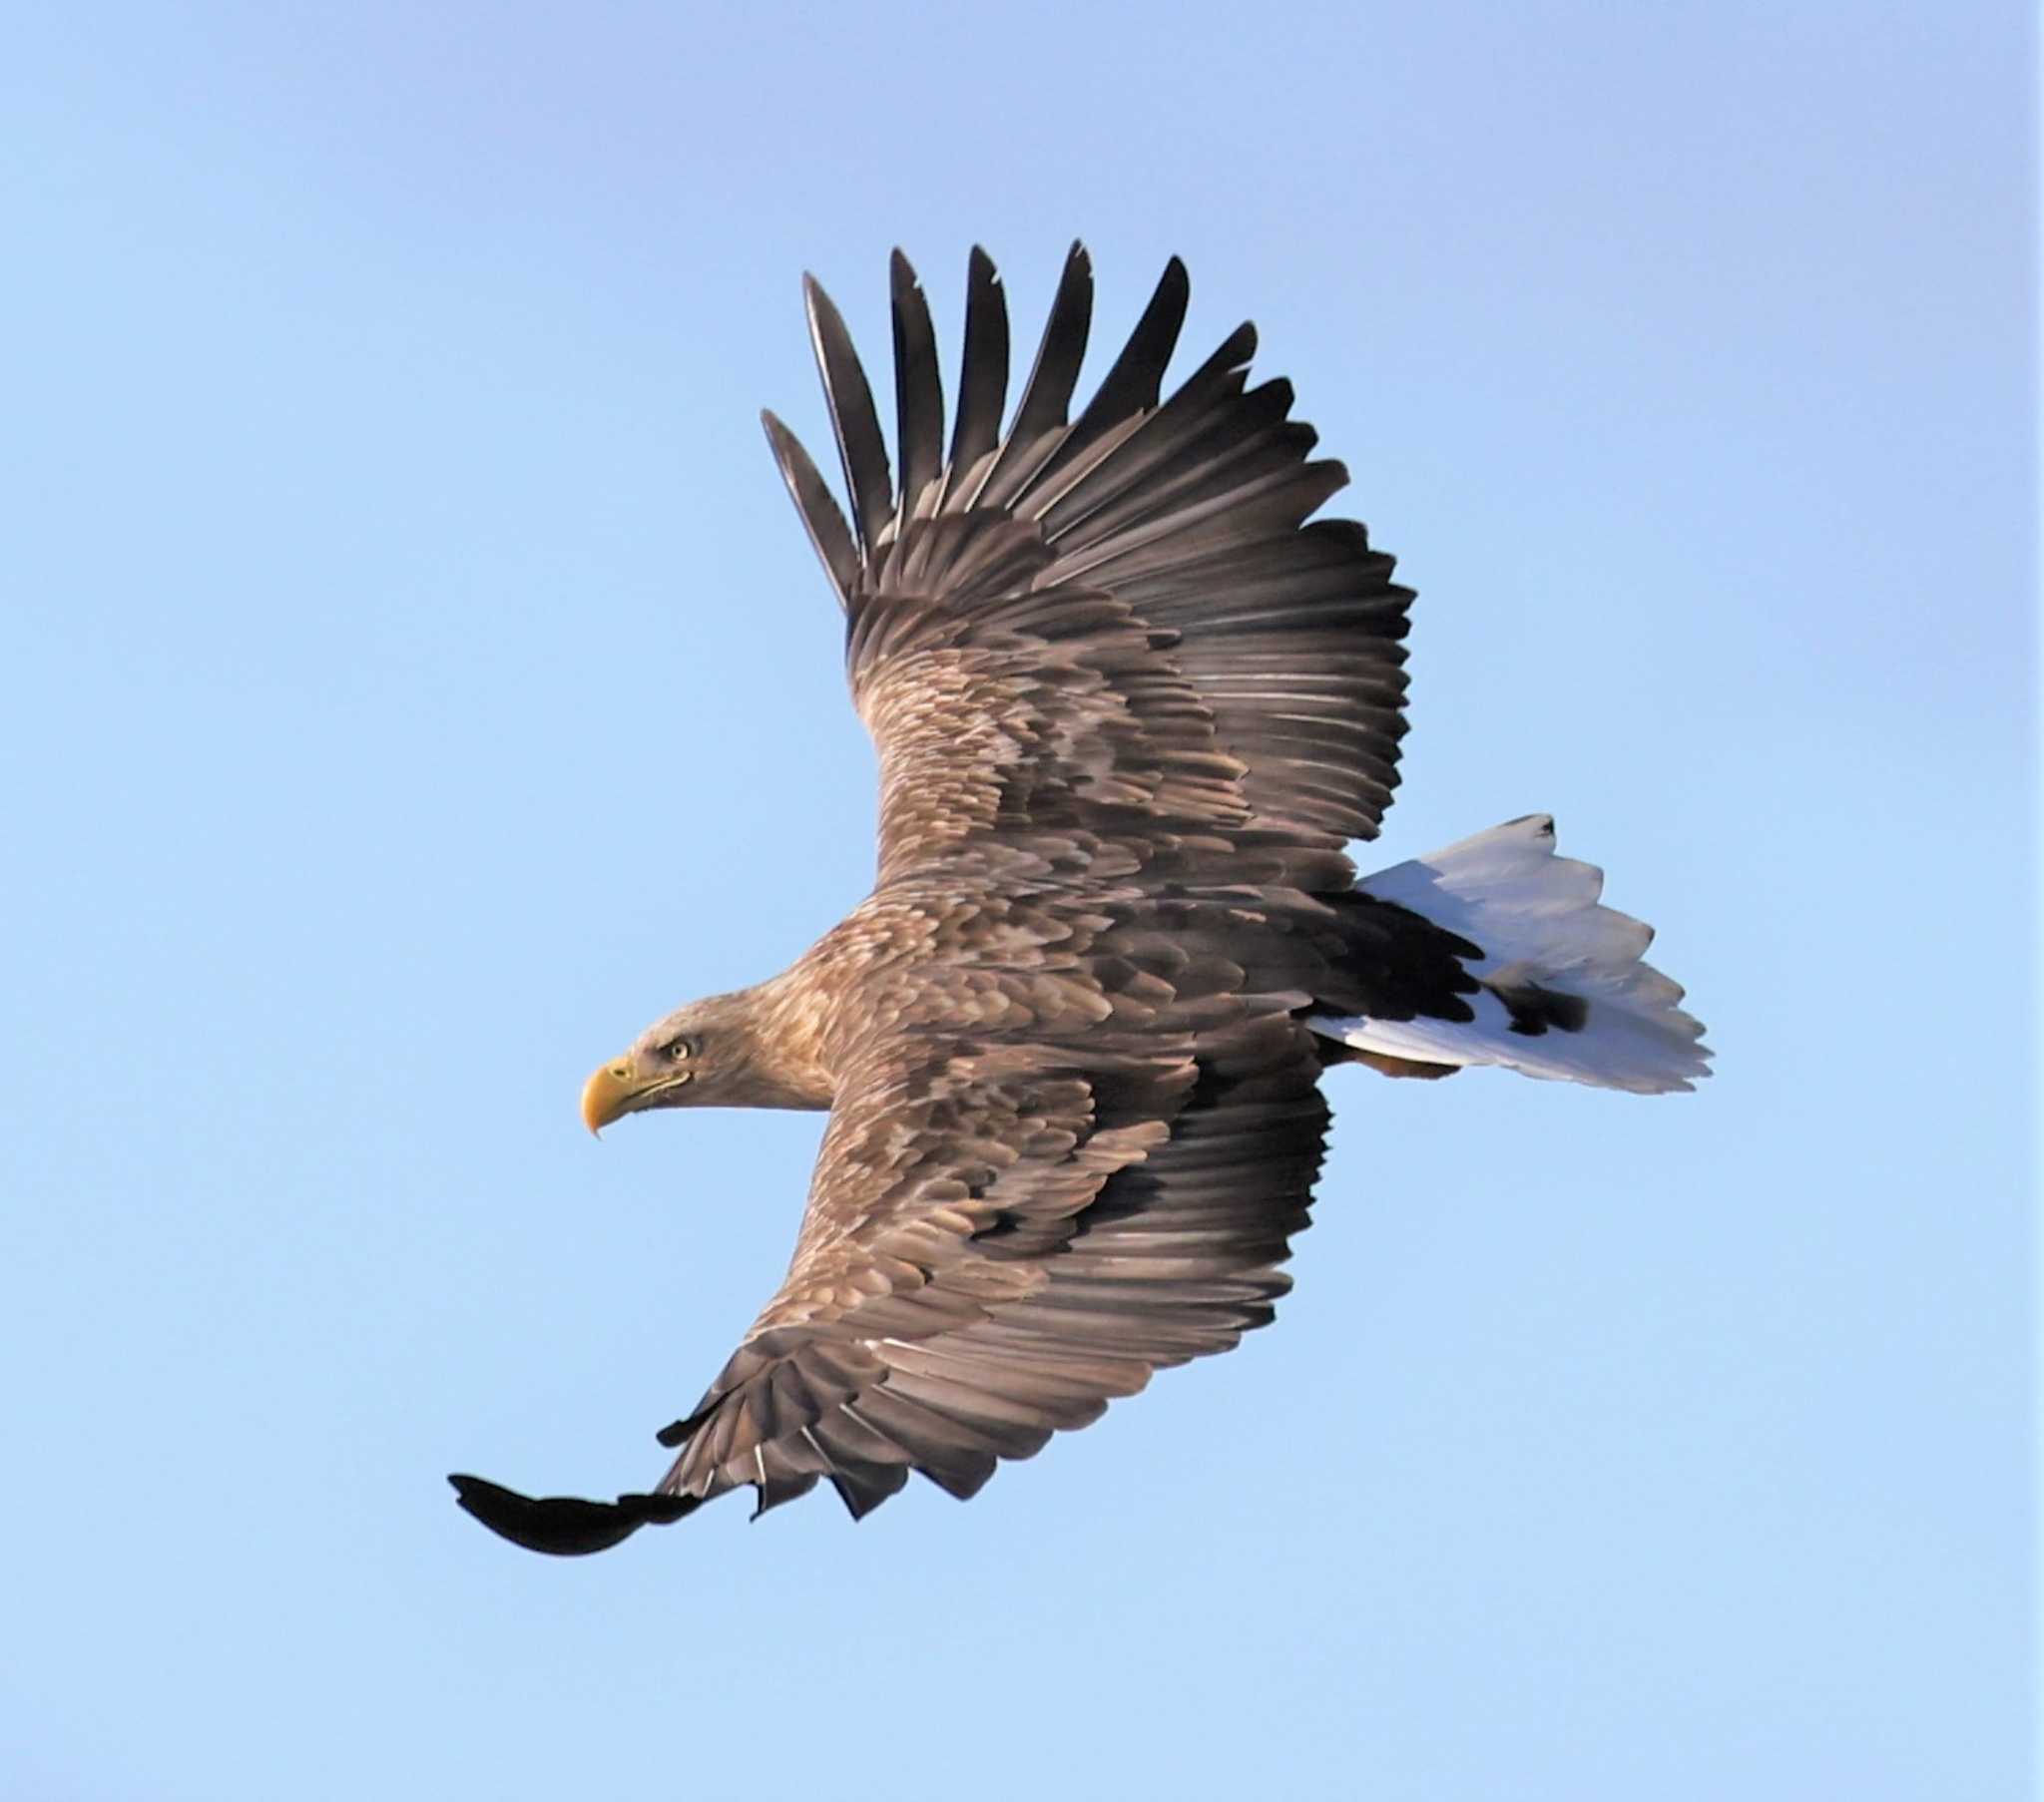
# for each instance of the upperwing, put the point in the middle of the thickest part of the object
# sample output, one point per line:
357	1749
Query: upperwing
1000	1239
1120	624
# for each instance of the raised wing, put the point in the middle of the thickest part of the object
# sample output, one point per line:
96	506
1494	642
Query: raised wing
1118	625
1000	1239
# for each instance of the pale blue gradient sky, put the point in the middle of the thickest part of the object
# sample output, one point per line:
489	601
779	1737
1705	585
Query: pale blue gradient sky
412	680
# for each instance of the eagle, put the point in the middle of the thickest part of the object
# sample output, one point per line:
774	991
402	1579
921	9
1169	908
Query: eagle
1132	700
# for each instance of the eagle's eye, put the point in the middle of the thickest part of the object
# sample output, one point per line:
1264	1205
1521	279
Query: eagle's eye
676	1050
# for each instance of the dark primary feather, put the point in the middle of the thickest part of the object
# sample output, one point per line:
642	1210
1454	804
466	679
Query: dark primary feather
817	506
918	388
857	426
983	371
1047	393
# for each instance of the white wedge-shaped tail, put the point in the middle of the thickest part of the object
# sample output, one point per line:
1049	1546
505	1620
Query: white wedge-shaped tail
1565	992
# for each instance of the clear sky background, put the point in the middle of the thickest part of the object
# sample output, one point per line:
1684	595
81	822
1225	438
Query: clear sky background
413	680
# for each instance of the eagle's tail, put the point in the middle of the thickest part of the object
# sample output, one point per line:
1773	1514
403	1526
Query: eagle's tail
1565	992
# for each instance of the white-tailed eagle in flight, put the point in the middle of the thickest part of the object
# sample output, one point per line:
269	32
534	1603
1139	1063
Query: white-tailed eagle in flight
1131	703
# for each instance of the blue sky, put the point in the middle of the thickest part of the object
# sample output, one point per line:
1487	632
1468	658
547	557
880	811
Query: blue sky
413	680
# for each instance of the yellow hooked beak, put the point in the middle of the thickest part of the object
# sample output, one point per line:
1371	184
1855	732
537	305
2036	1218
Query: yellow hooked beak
613	1092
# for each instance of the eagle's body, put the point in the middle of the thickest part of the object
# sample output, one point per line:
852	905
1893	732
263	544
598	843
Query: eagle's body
1129	709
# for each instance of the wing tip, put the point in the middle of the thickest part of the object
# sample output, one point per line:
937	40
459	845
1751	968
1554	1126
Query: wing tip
902	276
564	1525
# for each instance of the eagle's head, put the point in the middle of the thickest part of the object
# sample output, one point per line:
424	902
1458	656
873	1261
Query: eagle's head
721	1052
678	1062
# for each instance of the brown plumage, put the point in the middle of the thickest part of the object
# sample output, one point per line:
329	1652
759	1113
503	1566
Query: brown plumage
1129	706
